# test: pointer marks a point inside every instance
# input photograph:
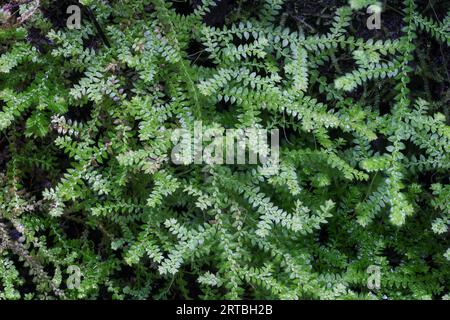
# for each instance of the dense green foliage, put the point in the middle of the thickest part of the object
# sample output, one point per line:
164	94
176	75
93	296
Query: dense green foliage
86	177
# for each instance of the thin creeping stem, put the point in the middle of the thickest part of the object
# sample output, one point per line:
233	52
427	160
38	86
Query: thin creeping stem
93	19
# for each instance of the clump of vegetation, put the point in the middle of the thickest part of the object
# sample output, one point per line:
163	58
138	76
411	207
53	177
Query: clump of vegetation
91	205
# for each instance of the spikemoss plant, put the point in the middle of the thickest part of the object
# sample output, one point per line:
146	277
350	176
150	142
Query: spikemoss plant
88	188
